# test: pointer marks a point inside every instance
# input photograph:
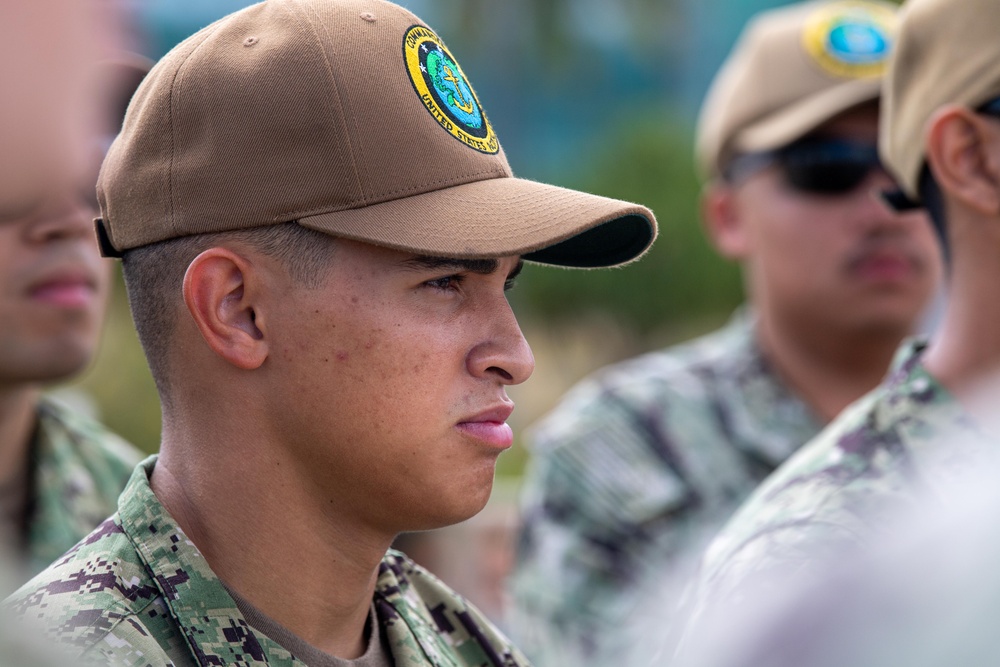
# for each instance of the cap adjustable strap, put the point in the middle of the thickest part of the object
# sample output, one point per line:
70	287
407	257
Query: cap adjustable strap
104	240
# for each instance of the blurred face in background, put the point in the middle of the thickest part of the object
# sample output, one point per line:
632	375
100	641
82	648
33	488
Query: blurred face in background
53	287
815	241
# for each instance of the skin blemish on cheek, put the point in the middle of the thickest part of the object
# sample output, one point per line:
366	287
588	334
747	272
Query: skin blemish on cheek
342	356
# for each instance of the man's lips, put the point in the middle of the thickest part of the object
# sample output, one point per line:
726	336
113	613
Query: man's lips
884	266
490	427
67	289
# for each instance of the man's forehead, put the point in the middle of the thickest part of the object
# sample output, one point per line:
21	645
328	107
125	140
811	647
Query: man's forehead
860	122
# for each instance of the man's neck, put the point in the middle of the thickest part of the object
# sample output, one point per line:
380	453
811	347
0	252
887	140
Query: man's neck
305	567
17	423
828	369
965	355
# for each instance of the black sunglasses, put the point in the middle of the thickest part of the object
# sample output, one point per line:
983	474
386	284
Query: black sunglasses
991	108
813	165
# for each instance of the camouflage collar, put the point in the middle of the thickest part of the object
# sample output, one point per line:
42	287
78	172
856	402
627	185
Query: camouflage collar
765	404
214	629
943	442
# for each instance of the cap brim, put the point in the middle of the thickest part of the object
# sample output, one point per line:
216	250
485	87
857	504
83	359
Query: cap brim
799	119
501	217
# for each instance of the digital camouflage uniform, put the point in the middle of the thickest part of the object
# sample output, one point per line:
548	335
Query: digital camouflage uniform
901	445
79	470
136	591
631	474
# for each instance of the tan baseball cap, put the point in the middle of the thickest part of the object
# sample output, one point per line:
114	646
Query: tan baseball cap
948	52
352	118
793	69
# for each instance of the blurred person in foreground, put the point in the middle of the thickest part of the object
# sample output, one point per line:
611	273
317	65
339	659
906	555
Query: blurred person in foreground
318	227
49	123
935	417
50	112
925	592
60	471
643	462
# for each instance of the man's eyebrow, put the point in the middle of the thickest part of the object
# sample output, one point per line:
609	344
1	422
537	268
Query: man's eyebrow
481	266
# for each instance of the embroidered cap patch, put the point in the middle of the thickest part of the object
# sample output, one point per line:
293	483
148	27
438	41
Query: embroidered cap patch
851	39
445	91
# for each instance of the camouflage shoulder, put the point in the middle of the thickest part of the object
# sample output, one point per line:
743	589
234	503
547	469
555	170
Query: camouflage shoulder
825	494
440	623
611	452
95	440
682	375
97	598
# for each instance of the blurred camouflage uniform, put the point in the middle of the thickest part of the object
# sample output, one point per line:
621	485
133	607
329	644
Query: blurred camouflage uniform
882	456
79	468
632	474
136	591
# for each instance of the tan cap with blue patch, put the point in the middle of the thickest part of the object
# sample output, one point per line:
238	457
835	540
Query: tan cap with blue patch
352	118
793	69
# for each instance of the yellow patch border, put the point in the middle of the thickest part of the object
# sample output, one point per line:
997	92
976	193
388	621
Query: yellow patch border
817	31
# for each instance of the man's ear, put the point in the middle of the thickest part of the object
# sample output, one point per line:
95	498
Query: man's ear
220	289
963	151
720	213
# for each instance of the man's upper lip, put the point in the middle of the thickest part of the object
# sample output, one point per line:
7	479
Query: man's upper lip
497	414
882	254
65	276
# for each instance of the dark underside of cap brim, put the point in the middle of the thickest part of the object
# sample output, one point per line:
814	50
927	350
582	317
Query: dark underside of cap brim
614	242
501	217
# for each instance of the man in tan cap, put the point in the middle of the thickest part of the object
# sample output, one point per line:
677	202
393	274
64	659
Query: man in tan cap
934	420
643	462
318	227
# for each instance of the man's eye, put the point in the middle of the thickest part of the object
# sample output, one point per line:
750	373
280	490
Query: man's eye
446	283
509	284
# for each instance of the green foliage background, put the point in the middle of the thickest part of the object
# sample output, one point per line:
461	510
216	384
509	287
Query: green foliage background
649	160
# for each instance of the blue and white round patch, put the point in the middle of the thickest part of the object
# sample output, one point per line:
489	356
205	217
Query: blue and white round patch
851	39
444	90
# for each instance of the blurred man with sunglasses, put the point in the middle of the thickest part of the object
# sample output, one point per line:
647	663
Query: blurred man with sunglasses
935	418
640	464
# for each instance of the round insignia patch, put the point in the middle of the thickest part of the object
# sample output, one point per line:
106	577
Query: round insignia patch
445	91
851	39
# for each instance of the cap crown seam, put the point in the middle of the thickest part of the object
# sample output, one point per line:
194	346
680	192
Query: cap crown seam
176	90
312	22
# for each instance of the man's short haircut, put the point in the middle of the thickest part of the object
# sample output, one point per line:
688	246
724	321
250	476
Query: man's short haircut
154	275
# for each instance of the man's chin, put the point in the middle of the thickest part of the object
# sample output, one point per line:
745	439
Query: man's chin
55	368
